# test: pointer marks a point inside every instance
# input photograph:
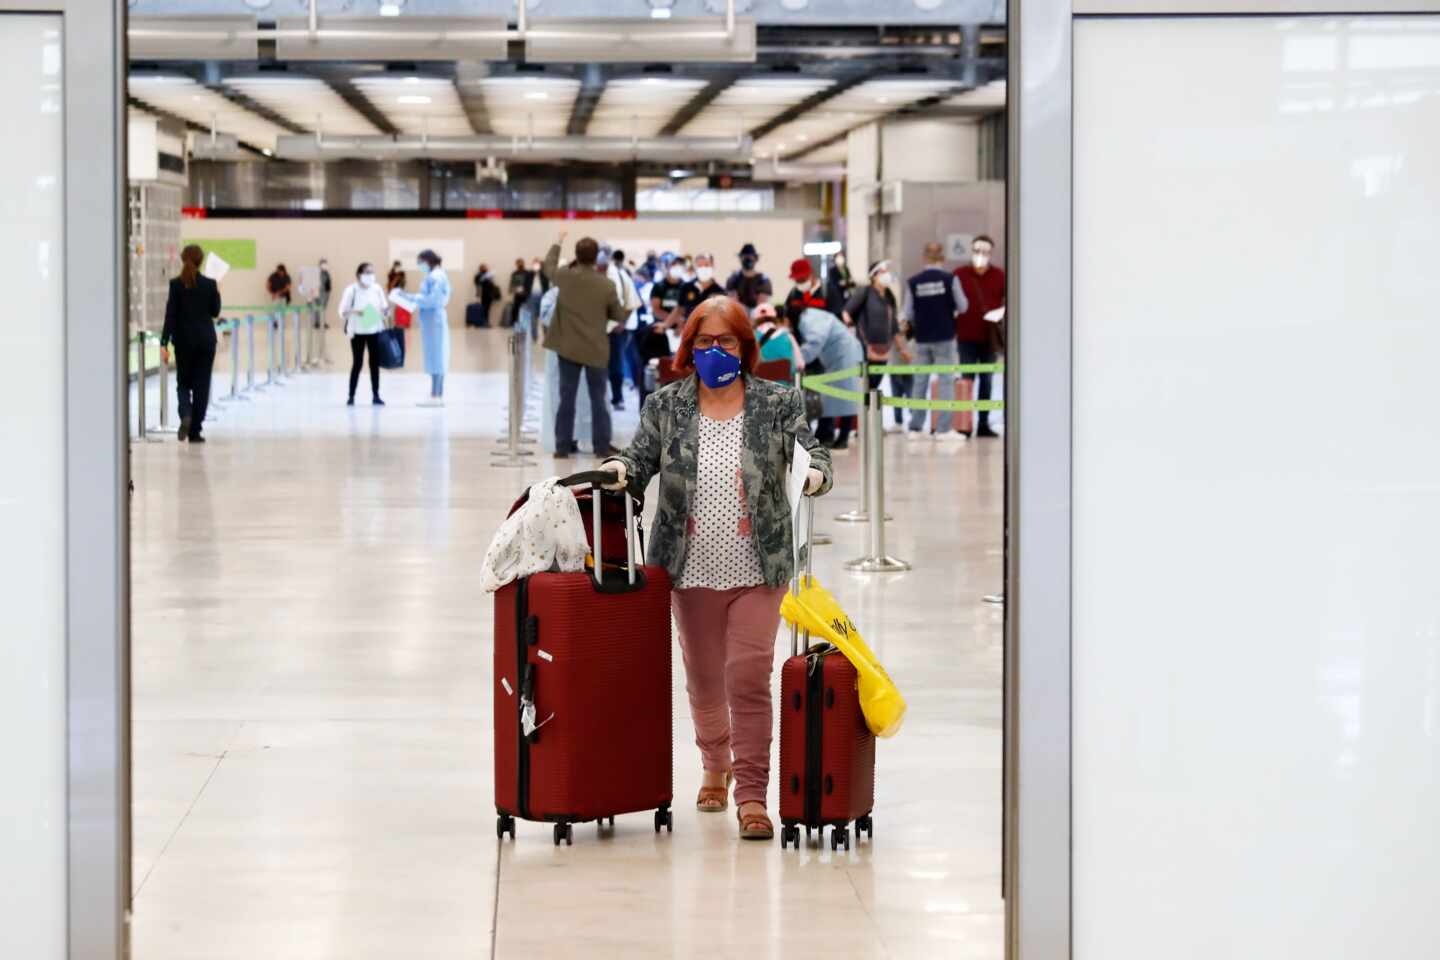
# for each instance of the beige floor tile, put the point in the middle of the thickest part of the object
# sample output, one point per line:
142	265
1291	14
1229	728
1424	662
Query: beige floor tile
311	682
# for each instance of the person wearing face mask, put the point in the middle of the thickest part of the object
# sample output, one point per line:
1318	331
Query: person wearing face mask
933	299
536	286
980	340
806	293
838	284
702	287
874	313
434	297
362	316
620	335
727	545
748	284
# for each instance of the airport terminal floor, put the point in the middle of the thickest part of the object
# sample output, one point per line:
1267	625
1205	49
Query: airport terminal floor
312	708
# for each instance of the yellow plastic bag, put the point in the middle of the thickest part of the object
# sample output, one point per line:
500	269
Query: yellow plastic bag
816	610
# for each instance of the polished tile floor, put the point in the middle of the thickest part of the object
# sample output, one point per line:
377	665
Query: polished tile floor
312	756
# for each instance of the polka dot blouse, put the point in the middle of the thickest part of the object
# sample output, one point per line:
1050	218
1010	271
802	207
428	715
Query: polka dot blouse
722	554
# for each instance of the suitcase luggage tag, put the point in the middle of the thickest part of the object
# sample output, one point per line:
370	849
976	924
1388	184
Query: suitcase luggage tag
527	704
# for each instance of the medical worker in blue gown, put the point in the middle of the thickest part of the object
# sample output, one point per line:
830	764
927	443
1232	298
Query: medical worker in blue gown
432	300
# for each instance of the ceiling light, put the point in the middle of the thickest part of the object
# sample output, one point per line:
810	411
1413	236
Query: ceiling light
391	8
537	95
408	99
660	13
267	151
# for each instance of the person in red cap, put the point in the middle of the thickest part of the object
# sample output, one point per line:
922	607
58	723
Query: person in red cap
806	293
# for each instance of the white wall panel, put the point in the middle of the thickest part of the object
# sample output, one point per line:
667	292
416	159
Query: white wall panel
32	495
1256	513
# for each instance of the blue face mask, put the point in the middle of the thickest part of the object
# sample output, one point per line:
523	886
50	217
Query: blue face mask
716	367
423	267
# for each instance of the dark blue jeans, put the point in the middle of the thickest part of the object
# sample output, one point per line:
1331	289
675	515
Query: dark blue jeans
618	342
599	412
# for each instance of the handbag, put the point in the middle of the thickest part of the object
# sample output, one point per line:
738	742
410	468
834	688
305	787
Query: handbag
390	346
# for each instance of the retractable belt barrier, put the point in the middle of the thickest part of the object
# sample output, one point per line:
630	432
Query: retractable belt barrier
823	383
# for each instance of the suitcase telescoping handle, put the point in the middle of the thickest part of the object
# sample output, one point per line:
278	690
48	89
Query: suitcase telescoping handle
596	479
795	638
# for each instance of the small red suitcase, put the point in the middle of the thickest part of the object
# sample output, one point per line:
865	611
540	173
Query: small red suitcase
827	753
582	685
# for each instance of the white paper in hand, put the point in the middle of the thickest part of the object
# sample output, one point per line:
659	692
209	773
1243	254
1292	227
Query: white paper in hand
795	490
402	299
996	315
215	268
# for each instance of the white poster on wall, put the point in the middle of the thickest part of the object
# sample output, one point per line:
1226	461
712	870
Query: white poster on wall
450	250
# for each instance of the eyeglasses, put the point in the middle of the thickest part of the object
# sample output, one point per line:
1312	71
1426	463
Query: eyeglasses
726	342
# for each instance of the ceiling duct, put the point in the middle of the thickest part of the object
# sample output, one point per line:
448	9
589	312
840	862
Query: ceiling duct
197	38
780	170
537	149
551	40
680	40
218	146
393	38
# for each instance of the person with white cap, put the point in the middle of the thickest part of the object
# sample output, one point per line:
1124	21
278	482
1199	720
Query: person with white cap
875	315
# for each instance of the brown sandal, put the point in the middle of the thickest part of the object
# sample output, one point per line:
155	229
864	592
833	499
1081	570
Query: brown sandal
755	826
715	799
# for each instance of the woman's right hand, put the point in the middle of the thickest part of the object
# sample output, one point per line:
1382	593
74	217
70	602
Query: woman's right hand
617	467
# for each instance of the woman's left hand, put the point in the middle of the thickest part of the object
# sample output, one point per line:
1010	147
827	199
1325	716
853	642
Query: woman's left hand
813	479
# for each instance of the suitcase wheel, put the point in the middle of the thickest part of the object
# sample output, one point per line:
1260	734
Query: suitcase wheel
664	818
505	824
564	831
790	834
866	825
839	836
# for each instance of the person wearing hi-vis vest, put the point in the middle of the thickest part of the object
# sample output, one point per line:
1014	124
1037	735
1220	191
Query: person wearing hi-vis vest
933	298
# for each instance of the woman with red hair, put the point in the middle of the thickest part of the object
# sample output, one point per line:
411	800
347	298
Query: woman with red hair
720	441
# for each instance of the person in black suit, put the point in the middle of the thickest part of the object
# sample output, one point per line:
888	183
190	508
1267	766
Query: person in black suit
190	313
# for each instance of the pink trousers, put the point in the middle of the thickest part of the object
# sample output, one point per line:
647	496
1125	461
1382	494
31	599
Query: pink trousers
728	640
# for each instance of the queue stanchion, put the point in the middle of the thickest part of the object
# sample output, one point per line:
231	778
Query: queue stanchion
250	353
876	559
295	364
235	361
860	514
140	385
164	398
308	355
273	373
513	455
282	320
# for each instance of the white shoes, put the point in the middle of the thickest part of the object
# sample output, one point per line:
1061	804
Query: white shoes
952	437
916	435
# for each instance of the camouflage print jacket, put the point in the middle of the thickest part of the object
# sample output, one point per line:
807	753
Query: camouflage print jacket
668	442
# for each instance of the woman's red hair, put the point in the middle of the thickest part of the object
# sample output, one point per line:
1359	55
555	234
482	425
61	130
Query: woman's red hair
736	322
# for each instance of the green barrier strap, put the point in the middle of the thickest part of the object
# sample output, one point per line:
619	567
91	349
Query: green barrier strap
904	369
957	406
269	308
829	391
829	376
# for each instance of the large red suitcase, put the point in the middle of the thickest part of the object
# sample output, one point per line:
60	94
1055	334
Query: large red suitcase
588	658
827	753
